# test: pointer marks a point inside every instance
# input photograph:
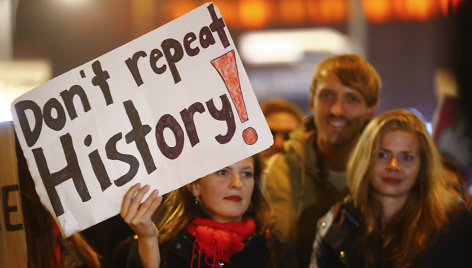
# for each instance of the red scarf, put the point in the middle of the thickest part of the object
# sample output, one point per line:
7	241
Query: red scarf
219	241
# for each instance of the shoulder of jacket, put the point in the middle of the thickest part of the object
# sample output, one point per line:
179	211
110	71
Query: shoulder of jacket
325	222
342	217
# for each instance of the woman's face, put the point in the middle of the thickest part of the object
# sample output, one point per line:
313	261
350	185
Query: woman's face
226	194
397	165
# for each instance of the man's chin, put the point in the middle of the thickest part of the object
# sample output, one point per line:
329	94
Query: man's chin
338	141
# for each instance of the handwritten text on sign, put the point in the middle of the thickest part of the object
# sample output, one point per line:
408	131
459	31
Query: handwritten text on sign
160	110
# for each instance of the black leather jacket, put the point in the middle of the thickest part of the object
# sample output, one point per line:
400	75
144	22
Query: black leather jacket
255	254
336	242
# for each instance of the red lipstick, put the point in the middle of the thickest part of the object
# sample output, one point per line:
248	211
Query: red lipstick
391	181
234	198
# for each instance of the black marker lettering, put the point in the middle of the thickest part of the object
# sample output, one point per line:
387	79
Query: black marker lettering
218	25
225	114
188	39
71	171
132	64
168	121
68	96
113	154
54	123
174	53
187	117
138	135
155	55
31	135
6	190
206	37
100	80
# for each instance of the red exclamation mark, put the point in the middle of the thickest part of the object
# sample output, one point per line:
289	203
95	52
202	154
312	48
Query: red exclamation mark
226	66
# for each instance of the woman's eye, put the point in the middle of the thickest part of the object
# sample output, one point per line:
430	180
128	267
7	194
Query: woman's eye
247	174
383	155
408	157
222	172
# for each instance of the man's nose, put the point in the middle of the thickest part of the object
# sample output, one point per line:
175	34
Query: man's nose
336	108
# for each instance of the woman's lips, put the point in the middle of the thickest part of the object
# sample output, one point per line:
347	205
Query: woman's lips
234	198
391	181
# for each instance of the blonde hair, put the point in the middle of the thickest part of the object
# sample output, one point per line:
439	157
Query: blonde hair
424	215
352	71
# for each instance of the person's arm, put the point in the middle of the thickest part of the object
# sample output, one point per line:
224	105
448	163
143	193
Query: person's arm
278	190
139	218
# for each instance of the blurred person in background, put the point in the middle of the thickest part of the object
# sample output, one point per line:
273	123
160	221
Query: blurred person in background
462	68
46	246
455	180
401	212
309	177
450	130
282	117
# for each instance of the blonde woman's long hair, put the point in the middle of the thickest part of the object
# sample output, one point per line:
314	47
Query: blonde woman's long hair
425	213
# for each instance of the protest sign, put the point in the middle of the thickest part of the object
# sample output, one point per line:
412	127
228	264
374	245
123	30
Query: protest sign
164	109
13	251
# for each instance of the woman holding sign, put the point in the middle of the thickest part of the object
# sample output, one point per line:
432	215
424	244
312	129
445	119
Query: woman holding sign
218	220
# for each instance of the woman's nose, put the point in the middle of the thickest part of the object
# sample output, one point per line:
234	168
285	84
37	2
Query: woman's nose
236	182
392	164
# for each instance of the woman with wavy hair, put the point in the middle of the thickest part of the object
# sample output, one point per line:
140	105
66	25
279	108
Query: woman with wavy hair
400	212
219	220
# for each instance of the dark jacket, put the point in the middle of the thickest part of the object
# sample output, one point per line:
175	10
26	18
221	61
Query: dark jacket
178	254
336	242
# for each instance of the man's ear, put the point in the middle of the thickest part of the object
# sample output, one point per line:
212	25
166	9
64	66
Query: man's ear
194	188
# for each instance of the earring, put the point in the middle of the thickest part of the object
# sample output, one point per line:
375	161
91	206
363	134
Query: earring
196	202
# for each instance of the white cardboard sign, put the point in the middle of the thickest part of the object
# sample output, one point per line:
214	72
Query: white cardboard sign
164	109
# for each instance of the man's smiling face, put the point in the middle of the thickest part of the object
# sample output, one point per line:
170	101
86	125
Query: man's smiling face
340	112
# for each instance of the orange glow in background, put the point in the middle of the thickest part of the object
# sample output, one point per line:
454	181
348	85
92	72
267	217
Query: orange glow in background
260	14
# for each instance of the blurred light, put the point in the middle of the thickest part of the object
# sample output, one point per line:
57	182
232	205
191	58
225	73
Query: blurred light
142	15
444	6
282	47
260	14
5	114
428	125
327	11
254	14
421	9
76	2
292	11
377	11
228	11
177	8
17	77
